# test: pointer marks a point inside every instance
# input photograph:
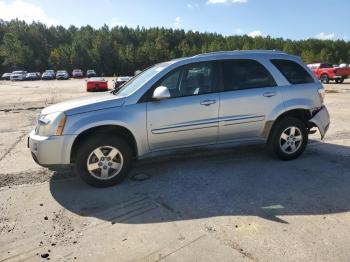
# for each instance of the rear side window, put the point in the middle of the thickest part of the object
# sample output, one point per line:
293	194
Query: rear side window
245	74
292	71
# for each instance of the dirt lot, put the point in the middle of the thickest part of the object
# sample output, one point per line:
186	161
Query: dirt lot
220	205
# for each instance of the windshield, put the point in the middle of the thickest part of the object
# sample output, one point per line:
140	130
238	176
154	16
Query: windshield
135	83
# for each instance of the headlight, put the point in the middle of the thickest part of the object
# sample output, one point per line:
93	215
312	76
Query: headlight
51	124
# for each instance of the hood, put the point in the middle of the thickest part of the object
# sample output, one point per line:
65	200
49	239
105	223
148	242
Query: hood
85	104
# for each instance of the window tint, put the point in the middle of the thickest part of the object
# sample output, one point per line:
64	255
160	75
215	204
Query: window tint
191	80
245	74
294	72
171	82
326	66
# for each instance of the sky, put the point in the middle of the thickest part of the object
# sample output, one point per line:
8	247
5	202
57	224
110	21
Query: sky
293	19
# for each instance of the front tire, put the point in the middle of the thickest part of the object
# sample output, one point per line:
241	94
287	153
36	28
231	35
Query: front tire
288	139
324	79
103	161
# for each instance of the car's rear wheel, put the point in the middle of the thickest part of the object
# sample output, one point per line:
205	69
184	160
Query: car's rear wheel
103	161
339	81
288	139
324	79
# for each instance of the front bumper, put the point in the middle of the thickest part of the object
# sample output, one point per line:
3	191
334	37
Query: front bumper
321	120
54	150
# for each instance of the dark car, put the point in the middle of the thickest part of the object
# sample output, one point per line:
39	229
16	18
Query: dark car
32	76
77	73
48	75
120	81
6	76
90	73
62	75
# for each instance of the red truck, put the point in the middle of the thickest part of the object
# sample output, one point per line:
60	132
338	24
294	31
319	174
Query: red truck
326	72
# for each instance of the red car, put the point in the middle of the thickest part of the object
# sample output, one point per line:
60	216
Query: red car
95	84
326	72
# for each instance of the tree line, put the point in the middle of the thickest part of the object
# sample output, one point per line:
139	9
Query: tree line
123	50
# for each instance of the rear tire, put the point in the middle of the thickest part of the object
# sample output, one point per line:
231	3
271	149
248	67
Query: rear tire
324	79
288	139
103	160
339	81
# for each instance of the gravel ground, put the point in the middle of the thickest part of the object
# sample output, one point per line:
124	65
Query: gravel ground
224	204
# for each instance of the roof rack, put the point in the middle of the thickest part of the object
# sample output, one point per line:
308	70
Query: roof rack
241	51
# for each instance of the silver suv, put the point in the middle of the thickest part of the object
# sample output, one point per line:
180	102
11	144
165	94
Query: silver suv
212	98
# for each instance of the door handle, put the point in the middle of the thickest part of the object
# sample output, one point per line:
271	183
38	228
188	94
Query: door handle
269	94
208	102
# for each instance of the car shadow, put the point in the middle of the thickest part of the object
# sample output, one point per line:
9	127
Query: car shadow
240	181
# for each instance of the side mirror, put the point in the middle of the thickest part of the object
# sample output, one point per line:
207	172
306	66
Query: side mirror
161	93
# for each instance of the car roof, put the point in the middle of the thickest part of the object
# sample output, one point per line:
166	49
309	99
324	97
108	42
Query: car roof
235	54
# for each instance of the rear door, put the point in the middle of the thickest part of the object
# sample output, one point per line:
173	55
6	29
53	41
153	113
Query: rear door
249	94
190	116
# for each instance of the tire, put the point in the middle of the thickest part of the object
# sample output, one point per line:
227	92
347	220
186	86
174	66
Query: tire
324	79
279	146
109	159
339	81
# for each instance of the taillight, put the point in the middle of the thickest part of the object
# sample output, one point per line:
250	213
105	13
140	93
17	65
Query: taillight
322	94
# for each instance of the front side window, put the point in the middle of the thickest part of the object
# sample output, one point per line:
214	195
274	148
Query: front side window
190	80
292	71
245	74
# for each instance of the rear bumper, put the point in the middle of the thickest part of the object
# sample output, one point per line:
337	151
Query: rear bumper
47	151
321	120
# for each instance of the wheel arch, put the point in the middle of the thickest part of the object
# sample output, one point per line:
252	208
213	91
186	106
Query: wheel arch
299	113
108	129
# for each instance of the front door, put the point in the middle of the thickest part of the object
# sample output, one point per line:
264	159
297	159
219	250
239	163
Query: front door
190	116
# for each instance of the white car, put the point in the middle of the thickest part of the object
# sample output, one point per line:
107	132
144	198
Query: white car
18	75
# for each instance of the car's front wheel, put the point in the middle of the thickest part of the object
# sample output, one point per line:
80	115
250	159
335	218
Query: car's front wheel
324	79
103	161
288	139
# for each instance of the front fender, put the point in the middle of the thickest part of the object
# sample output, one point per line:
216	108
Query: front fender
131	117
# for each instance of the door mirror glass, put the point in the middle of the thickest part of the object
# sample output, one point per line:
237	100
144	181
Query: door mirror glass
161	93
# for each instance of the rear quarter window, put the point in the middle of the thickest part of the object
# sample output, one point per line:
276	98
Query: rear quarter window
292	71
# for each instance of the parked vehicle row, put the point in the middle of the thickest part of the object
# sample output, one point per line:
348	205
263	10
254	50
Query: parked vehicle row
327	72
22	75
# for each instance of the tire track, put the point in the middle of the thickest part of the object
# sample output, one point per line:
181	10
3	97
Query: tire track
18	140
